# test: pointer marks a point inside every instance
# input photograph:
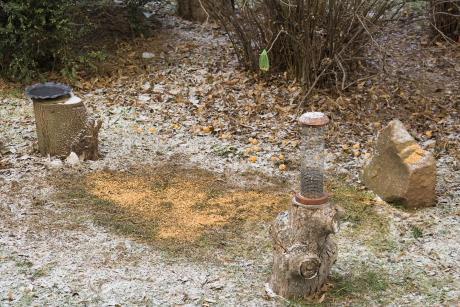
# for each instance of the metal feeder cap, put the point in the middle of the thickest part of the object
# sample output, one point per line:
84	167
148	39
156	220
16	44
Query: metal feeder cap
314	119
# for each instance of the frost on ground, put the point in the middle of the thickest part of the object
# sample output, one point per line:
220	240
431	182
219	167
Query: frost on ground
190	106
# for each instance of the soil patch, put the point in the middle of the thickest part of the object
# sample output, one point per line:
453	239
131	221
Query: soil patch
174	205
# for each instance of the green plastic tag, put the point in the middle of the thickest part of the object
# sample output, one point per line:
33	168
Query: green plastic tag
264	61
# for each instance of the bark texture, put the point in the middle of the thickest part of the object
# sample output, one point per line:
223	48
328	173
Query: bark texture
304	251
193	9
63	128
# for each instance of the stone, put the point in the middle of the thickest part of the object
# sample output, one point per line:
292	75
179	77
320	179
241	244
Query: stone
55	164
400	171
148	55
72	159
144	98
146	86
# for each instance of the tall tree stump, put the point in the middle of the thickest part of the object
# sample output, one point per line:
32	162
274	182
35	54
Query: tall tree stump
303	248
64	127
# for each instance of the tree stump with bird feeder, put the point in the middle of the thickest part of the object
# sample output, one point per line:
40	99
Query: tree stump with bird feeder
63	123
304	251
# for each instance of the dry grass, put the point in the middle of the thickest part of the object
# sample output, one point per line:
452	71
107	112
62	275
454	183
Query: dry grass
175	205
196	213
368	226
184	205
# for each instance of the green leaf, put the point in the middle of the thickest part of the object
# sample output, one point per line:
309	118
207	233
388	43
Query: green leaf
264	61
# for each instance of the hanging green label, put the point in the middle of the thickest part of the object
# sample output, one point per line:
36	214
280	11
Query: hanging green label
264	61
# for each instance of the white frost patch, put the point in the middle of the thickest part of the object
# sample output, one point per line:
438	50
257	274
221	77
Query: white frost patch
143	97
311	115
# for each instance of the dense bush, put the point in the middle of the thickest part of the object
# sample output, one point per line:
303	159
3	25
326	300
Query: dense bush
34	35
445	18
316	41
60	35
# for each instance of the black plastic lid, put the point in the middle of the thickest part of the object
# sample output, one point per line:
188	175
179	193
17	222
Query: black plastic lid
48	90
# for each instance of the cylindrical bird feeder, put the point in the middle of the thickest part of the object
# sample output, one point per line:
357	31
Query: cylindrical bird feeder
303	247
313	125
63	124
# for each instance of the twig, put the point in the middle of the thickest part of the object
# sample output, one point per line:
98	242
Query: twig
302	102
205	11
375	42
344	73
276	38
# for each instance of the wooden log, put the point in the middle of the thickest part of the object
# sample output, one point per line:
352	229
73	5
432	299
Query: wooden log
65	128
304	251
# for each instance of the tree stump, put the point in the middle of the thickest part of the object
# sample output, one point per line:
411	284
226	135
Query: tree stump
63	128
199	10
302	237
303	249
191	10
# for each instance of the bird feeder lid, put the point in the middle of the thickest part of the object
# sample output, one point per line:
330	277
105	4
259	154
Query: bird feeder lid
48	90
314	119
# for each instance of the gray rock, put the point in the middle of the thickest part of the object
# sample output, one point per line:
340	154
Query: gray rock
146	86
401	171
55	164
148	55
72	159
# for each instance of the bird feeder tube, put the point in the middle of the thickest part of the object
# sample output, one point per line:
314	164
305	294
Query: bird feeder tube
313	126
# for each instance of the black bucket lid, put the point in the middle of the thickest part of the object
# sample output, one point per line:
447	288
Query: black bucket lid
48	90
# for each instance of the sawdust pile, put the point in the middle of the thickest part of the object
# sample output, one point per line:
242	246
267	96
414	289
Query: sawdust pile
184	205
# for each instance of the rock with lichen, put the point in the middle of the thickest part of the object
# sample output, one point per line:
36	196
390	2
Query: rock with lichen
400	171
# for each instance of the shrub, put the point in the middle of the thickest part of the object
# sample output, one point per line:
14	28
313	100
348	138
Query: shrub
445	18
63	35
34	36
316	41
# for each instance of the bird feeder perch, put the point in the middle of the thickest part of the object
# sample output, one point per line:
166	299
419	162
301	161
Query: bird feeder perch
304	251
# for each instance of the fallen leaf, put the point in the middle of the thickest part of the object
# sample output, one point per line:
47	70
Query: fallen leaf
252	159
207	129
274	159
